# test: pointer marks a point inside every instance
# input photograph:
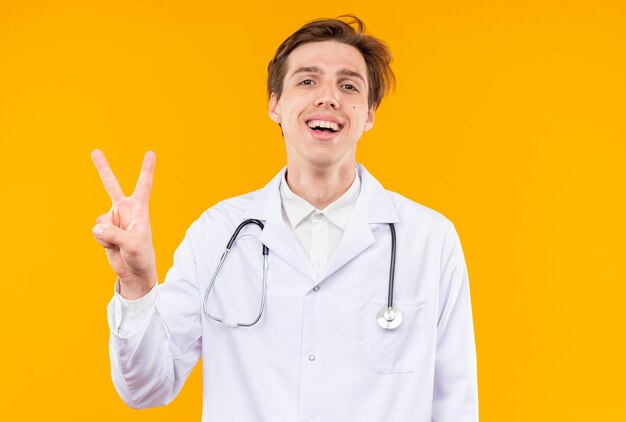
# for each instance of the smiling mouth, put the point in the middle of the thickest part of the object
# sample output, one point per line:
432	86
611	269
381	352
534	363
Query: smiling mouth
324	126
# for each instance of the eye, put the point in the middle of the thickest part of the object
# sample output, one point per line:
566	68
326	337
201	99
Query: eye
350	87
306	82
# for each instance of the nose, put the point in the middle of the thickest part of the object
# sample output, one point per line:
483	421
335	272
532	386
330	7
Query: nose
327	100
327	96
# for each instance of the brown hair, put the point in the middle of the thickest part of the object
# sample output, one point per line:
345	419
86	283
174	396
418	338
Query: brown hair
375	52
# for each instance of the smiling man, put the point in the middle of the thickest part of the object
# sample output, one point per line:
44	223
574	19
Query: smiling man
323	110
338	301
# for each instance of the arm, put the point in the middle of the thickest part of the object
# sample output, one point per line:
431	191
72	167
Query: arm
151	360
455	390
150	364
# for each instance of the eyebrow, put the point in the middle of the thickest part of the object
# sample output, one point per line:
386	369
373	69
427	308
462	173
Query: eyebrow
317	69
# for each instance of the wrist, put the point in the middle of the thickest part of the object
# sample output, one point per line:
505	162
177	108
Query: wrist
136	288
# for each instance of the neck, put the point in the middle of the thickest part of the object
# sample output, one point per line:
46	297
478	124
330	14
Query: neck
320	188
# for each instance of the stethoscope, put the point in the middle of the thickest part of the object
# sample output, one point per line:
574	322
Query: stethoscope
388	317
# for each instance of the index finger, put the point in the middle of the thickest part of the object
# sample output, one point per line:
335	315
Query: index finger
106	175
144	183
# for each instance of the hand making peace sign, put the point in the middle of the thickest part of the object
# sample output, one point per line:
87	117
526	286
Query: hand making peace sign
124	231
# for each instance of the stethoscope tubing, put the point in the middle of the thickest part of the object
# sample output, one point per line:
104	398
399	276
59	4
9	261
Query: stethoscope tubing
388	317
392	266
265	251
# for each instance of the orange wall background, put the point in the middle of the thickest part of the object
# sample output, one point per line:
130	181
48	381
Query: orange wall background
509	118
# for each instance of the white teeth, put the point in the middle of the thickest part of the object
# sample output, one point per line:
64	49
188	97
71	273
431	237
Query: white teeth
323	123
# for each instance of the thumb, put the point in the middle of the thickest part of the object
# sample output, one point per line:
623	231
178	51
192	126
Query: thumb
113	235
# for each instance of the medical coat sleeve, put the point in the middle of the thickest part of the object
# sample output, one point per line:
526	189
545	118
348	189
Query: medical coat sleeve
129	314
150	365
455	388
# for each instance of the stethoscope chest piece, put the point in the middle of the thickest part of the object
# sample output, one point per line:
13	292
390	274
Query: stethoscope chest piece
389	318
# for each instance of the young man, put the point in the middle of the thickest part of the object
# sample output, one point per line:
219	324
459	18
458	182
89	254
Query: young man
360	311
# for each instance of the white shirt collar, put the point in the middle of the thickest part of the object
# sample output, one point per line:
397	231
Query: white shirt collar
338	212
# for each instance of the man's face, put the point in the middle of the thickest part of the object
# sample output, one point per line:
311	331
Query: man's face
323	108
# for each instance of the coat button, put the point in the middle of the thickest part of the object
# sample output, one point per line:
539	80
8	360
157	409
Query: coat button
311	358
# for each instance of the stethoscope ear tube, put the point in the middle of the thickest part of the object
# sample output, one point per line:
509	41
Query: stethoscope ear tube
241	226
231	242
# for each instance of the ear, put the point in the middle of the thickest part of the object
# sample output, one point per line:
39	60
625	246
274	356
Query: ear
369	122
274	110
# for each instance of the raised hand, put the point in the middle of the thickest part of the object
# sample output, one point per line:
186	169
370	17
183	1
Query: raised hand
124	231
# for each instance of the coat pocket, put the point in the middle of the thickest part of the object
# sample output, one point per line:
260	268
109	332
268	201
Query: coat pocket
401	349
